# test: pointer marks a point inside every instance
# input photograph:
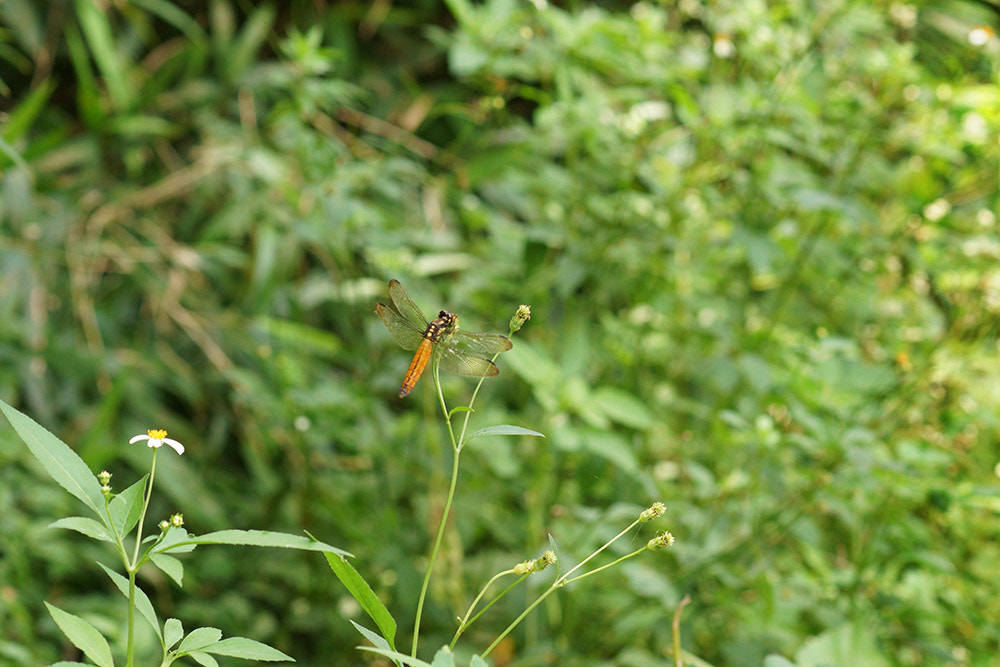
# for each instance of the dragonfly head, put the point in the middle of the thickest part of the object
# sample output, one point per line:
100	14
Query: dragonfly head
450	319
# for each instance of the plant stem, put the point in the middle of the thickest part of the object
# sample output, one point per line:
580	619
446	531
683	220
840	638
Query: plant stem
131	619
456	446
562	581
444	515
142	517
133	567
678	658
607	565
464	622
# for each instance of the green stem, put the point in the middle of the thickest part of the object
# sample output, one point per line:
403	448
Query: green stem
606	566
465	622
558	583
606	545
562	581
133	567
131	619
457	449
495	600
444	515
142	517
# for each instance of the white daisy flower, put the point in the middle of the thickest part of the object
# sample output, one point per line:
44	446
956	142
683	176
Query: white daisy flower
156	438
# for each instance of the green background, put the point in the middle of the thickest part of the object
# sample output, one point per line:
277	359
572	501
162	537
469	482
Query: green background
760	244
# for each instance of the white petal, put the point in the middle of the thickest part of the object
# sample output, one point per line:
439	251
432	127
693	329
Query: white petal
178	447
138	438
155	443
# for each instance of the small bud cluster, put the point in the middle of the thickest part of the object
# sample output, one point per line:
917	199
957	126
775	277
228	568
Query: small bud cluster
655	510
104	477
536	565
661	541
522	315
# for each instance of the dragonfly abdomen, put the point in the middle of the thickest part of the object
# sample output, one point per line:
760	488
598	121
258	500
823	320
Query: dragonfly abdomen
432	334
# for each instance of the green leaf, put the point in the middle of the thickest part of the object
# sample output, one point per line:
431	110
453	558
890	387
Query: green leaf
169	12
88	95
125	508
100	39
256	29
203	659
443	658
83	635
173	630
623	407
846	644
398	657
23	116
199	638
363	593
459	408
477	662
257	538
88	527
170	566
176	540
611	446
375	638
142	602
505	429
61	462
248	649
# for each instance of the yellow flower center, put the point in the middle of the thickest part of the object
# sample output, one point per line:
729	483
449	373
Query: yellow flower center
156	433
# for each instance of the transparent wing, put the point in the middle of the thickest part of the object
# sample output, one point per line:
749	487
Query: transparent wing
402	331
464	363
405	306
486	344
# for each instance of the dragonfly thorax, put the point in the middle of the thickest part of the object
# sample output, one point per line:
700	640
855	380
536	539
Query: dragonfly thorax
443	323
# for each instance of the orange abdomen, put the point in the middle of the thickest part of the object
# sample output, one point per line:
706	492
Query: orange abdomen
417	366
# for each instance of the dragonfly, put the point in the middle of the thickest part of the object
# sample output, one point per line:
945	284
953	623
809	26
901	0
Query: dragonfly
456	350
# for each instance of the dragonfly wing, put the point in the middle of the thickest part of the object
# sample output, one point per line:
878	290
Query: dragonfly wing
486	344
402	331
464	363
405	306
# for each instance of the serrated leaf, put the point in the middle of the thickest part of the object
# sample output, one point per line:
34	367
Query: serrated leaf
203	659
142	602
395	655
459	408
173	630
177	540
199	638
622	407
83	635
375	638
443	658
170	566
125	508
505	429
248	649
363	593
88	527
256	538
61	462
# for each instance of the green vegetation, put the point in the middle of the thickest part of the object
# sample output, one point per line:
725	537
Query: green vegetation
760	244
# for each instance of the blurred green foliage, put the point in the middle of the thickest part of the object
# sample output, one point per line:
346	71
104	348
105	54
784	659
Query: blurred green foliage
761	246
